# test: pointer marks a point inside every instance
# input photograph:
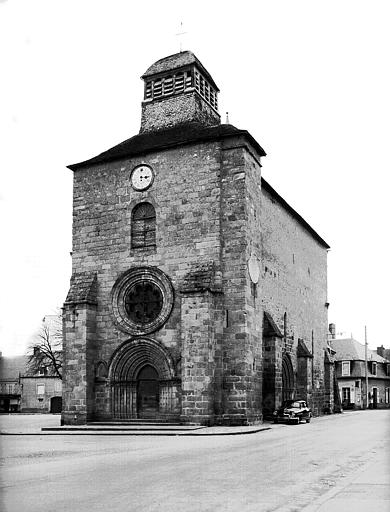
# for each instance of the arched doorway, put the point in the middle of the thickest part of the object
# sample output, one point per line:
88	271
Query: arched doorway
147	392
287	378
142	381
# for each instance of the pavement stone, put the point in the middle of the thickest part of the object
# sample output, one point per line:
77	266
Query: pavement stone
366	489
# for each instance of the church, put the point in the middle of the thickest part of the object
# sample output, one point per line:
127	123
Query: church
198	294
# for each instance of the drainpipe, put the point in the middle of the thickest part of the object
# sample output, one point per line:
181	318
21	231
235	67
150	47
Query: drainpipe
365	363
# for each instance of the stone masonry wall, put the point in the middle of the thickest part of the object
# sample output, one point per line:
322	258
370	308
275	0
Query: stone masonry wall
241	351
186	196
201	357
294	282
168	112
31	401
254	308
79	355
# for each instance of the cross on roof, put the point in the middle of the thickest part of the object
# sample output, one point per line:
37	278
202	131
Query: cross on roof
181	33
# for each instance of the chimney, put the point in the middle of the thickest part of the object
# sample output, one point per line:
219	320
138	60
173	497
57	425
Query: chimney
381	351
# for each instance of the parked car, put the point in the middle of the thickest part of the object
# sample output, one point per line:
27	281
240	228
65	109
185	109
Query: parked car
293	411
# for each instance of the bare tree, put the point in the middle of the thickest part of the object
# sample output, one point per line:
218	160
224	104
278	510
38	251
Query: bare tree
45	352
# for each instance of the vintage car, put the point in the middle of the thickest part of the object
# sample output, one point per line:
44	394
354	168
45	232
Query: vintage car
293	411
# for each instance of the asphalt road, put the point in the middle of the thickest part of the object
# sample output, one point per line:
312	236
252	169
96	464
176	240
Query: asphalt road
283	469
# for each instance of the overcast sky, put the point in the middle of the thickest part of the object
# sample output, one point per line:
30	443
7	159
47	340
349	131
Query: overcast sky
309	80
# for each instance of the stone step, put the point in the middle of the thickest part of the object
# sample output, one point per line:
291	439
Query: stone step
135	422
123	427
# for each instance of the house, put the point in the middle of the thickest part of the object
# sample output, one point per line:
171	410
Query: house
41	393
26	387
198	293
41	382
10	386
351	374
21	391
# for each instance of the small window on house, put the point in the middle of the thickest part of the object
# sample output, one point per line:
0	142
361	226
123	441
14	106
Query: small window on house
357	384
40	389
373	368
345	369
387	395
143	226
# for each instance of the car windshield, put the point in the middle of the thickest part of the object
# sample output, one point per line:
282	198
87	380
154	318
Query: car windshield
292	403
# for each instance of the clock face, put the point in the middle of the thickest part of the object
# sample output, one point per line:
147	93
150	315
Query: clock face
142	177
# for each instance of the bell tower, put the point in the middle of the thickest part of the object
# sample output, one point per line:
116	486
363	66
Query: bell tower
178	90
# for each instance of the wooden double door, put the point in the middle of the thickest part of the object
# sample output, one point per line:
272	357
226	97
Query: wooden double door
147	393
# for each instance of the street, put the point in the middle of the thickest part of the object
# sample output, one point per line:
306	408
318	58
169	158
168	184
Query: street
286	468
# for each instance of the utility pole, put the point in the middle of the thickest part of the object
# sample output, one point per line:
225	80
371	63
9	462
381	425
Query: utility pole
365	363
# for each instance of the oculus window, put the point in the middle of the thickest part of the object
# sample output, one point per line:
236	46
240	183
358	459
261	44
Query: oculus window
142	300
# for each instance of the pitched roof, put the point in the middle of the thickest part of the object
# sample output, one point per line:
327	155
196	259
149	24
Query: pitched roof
269	326
177	61
266	186
348	349
303	351
83	288
164	139
10	367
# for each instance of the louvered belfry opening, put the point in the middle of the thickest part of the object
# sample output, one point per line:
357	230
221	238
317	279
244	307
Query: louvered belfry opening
143	226
181	82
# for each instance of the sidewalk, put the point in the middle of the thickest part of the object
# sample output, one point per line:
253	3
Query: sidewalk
49	424
367	489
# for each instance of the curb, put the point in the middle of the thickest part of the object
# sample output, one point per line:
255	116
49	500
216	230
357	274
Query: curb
132	433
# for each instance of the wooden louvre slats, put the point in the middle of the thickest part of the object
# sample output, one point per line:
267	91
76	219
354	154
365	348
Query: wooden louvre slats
168	85
149	90
188	79
157	88
179	83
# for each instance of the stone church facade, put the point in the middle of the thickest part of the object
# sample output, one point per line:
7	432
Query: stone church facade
197	293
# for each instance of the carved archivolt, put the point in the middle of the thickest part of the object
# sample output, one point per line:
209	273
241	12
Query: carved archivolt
130	357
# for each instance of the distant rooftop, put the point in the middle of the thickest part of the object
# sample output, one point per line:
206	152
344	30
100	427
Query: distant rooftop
348	349
10	367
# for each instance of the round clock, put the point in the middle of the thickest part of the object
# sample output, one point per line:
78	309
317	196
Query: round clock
142	177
